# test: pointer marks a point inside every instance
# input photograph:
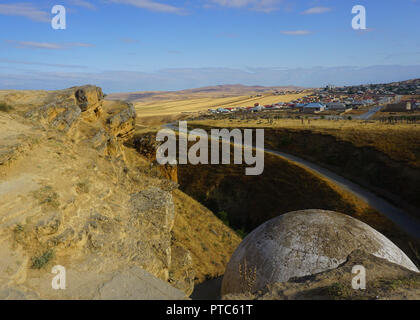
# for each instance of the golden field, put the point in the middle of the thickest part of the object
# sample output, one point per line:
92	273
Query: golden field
161	111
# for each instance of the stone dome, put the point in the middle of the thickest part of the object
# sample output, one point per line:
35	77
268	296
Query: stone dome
302	243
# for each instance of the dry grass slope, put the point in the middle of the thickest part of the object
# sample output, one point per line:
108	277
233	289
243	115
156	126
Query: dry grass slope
399	141
210	242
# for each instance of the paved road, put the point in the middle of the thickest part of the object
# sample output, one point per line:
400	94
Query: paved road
406	222
398	216
370	113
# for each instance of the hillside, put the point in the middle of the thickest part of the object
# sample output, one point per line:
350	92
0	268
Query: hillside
74	193
245	202
382	157
219	91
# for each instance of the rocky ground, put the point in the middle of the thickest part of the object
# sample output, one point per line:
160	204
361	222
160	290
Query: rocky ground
74	193
384	281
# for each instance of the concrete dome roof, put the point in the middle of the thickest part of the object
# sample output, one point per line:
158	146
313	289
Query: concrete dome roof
302	243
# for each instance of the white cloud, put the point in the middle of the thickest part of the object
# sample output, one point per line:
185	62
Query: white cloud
35	45
257	5
152	6
317	10
234	3
26	10
83	3
175	79
72	66
296	32
48	45
129	40
79	44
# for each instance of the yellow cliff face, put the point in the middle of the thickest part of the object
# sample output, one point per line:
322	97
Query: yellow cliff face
72	193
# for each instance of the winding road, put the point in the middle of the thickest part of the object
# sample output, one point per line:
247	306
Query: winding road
370	113
405	221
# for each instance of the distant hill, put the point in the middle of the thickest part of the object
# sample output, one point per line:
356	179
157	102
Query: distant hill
219	91
239	89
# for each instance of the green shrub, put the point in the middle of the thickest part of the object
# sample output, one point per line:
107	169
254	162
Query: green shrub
47	197
83	187
4	107
339	291
222	215
285	140
18	229
42	260
241	233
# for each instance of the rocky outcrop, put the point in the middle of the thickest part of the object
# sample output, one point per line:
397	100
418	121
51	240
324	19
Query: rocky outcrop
79	199
181	272
63	109
152	216
147	146
137	284
384	281
16	138
61	114
168	171
88	97
131	283
139	235
300	244
120	119
82	113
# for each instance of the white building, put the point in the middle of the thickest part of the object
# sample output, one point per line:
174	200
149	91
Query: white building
336	106
257	109
314	107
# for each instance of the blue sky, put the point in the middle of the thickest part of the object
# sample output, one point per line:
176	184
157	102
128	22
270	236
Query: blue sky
136	45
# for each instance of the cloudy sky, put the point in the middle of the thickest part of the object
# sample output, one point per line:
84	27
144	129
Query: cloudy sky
137	45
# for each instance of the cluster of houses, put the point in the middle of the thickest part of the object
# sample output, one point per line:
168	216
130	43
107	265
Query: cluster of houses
409	87
314	103
410	105
256	108
342	99
313	107
339	101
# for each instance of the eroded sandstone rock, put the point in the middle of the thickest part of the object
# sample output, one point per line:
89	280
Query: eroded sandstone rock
76	202
153	215
147	146
137	284
88	97
120	119
181	272
129	283
62	115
